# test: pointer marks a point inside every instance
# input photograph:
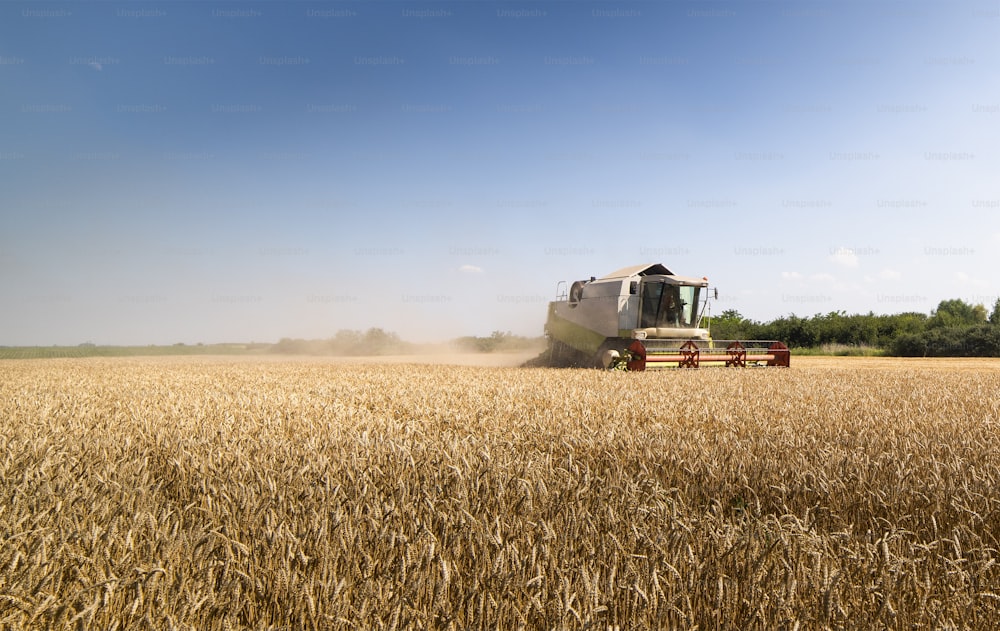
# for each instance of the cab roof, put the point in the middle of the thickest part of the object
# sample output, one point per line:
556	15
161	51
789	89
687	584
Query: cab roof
646	269
654	269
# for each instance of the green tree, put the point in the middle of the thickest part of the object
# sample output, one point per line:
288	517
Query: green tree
983	341
955	312
346	342
979	313
909	345
902	323
995	315
379	342
731	325
795	331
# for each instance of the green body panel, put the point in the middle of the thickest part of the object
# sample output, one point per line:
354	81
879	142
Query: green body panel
577	336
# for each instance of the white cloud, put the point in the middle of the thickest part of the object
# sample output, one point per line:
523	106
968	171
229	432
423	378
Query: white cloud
470	269
791	276
889	274
969	281
822	278
845	257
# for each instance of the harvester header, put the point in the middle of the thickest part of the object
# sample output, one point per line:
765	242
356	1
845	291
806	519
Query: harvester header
645	316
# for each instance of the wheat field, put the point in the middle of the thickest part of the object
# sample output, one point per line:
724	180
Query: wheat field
201	493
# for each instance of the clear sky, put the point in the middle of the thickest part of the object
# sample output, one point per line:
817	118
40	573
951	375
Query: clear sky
245	171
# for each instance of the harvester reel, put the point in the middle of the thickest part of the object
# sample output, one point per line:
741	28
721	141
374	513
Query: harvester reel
690	355
737	355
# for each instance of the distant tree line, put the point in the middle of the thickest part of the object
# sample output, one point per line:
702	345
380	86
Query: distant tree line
377	341
374	341
497	341
954	329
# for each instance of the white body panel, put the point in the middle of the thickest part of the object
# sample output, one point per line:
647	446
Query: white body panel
612	306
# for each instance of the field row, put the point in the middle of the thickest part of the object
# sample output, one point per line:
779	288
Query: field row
204	494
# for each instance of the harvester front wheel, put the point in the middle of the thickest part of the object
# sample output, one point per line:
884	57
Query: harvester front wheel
612	355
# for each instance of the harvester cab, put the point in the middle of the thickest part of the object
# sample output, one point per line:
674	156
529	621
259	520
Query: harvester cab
642	317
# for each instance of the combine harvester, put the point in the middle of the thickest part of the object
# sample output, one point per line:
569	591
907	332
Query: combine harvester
644	317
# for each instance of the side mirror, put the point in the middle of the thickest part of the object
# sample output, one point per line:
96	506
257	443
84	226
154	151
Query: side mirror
716	294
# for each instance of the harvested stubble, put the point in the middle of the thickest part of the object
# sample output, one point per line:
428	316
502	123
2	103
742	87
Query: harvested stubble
229	495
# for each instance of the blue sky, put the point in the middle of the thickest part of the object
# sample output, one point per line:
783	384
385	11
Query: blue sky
234	171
